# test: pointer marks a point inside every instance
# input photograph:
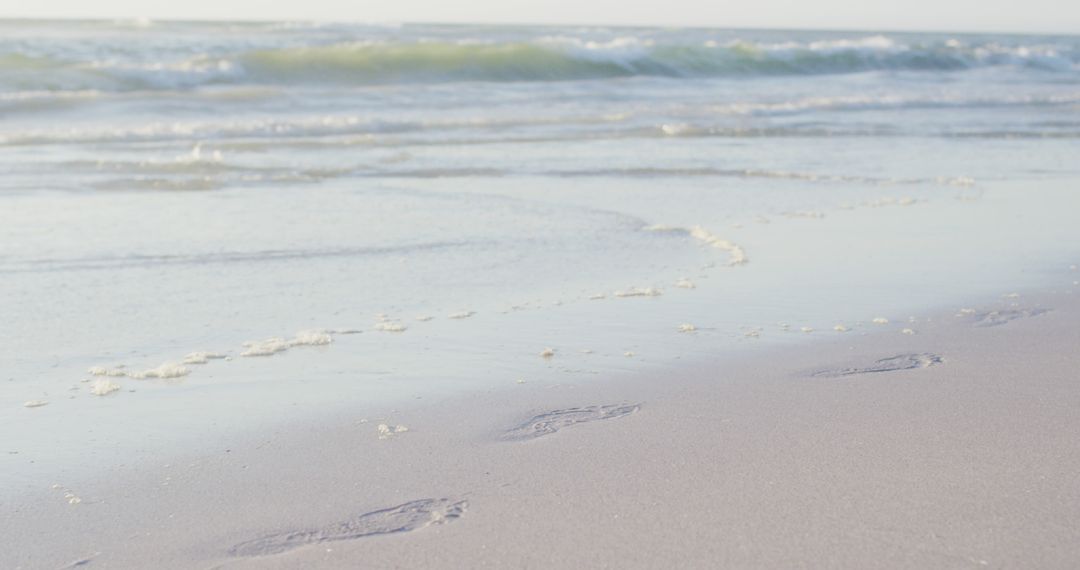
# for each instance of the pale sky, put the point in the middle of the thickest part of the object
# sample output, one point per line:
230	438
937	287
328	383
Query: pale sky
1052	16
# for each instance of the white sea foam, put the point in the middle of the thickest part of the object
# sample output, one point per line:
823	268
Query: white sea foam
202	357
265	347
163	370
386	431
103	387
275	345
639	292
104	371
312	338
736	255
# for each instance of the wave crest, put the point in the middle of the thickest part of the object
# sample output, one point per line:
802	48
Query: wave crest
544	59
559	58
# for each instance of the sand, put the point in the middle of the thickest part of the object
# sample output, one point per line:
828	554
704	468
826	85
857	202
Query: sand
953	448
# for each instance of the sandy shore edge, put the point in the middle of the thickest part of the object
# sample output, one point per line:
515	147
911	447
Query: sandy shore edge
953	447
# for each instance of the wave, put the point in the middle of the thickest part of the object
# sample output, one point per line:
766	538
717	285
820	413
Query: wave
888	102
260	138
265	256
555	59
133	176
542	59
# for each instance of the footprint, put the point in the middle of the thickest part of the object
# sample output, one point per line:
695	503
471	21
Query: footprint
890	364
551	422
995	318
410	516
81	562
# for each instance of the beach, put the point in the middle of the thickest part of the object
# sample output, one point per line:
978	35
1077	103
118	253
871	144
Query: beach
952	448
331	295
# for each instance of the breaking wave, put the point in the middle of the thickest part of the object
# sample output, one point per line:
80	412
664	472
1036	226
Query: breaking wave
543	59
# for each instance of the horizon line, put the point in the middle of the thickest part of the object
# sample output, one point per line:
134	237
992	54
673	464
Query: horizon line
199	20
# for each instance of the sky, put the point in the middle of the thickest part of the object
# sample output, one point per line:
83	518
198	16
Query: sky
1041	16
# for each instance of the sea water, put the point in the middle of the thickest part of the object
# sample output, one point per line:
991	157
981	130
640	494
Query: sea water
206	227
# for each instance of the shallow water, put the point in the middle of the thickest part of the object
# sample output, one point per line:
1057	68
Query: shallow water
176	187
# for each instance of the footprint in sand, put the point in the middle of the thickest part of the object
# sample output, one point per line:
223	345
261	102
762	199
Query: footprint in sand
995	318
890	364
410	516
551	422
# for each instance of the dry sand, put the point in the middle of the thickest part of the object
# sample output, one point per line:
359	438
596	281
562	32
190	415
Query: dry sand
955	447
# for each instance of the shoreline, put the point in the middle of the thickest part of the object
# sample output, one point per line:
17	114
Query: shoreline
80	432
162	443
962	456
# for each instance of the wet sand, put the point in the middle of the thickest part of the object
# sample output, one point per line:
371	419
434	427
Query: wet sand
952	447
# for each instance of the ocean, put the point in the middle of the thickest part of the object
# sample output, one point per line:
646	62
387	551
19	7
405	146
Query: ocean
219	225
